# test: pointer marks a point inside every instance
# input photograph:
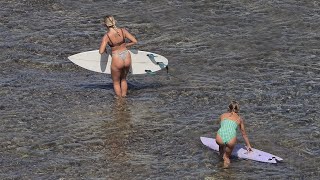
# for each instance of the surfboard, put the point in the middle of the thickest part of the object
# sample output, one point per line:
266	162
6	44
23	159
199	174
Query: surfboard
143	62
241	152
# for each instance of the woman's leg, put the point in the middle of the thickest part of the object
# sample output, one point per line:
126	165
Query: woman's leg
115	74
229	148
123	84
124	73
221	145
116	71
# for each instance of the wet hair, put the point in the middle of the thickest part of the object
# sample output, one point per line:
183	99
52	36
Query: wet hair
234	107
110	21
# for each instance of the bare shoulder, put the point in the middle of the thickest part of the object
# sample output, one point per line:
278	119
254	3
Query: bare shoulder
124	30
105	37
224	115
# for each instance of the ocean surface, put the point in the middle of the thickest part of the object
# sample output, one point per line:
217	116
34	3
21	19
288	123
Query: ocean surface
60	121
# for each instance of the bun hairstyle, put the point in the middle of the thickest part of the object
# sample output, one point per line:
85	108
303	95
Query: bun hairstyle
110	21
234	107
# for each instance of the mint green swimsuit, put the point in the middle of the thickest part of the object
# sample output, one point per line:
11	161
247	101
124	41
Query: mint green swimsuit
228	130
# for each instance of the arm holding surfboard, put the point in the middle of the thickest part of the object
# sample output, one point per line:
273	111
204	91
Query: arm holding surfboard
121	58
125	35
103	45
226	139
244	135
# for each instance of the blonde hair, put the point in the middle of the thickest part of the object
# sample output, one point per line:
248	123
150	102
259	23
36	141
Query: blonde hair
234	107
110	21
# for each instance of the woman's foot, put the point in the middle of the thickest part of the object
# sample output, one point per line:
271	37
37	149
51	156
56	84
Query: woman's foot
226	162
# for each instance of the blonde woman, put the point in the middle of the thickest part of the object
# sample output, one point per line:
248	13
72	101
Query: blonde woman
227	134
121	58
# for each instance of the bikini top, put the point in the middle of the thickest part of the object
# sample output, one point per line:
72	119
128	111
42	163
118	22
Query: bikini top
117	44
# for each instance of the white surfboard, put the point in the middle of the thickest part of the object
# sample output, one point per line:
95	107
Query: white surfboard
241	152
142	62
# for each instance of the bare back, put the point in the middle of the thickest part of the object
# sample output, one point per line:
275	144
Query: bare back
116	39
231	116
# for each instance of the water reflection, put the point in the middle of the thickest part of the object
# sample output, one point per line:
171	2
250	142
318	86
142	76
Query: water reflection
119	131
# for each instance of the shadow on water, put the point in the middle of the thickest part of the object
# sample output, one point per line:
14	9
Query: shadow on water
109	86
106	86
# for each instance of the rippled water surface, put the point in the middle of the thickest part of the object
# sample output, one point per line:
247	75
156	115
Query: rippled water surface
59	121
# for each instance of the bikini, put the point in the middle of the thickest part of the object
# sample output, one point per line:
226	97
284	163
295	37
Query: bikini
228	130
123	54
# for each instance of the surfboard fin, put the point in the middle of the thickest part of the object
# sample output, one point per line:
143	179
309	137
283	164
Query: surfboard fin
151	55
149	72
162	65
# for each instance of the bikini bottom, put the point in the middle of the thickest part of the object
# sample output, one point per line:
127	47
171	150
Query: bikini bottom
123	54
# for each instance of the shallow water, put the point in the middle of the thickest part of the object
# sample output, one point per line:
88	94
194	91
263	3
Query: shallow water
59	121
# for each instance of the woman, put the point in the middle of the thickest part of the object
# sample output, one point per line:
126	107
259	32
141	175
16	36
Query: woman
121	58
227	134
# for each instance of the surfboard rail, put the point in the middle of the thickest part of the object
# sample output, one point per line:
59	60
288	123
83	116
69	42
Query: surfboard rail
143	62
241	152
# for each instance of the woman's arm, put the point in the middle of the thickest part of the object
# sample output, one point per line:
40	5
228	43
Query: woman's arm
103	44
244	135
132	39
219	120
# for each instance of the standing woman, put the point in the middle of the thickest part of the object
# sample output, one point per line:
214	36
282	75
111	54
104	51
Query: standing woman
121	58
